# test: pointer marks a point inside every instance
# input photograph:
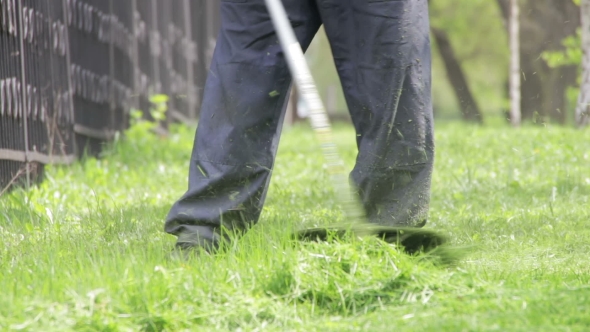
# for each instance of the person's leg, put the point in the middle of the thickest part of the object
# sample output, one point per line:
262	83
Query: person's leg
382	53
239	126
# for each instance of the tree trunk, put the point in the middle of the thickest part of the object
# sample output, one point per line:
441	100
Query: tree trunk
543	25
583	107
515	115
469	108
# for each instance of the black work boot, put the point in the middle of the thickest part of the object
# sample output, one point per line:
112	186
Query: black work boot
199	239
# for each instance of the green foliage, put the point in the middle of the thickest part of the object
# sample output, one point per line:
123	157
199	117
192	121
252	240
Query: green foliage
157	111
160	106
140	126
85	250
570	55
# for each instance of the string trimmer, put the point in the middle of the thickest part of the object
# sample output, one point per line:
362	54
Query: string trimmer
412	239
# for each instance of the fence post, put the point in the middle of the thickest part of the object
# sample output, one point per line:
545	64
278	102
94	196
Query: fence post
111	68
70	104
23	89
155	47
135	56
190	58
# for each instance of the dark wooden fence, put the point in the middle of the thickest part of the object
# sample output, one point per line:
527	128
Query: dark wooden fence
70	71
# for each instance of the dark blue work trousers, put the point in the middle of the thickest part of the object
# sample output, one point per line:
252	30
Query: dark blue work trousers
381	50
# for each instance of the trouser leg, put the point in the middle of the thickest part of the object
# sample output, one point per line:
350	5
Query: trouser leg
239	127
382	53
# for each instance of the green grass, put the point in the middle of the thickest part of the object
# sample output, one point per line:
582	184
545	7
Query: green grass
86	251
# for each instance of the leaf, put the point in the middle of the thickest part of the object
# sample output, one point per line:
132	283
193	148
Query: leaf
159	99
136	114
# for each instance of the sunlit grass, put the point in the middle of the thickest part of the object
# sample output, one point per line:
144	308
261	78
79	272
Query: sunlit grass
86	251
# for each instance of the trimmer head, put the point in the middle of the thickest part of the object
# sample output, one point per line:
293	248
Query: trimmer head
413	240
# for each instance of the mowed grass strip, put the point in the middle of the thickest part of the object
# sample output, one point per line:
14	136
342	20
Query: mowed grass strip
85	251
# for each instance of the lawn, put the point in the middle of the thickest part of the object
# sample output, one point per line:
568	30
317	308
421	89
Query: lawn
85	251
